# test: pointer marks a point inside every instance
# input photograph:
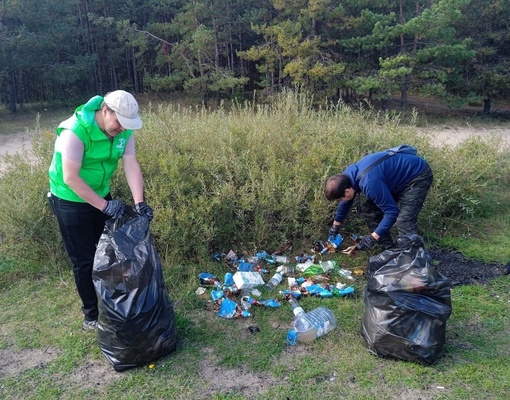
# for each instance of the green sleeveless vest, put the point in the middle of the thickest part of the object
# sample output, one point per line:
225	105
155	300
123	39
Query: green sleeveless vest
100	157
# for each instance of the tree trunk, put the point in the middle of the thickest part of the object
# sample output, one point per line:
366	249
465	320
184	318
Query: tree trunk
487	105
21	91
403	92
88	41
242	70
11	91
114	83
215	32
132	66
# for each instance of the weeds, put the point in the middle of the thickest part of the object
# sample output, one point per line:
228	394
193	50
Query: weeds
252	178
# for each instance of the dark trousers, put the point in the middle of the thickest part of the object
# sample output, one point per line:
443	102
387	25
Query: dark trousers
410	202
81	226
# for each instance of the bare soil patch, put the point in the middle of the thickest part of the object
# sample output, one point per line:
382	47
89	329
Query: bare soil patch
14	362
232	381
13	143
462	271
453	135
91	374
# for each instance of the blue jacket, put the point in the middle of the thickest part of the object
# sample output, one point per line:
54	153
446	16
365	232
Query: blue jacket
381	183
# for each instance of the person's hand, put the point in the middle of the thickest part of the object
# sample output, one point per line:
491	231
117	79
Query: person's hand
366	243
334	230
114	208
143	208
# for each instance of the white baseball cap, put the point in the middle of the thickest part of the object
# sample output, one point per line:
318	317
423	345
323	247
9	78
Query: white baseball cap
125	107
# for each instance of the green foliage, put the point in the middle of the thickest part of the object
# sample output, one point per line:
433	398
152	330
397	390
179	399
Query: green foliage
463	190
456	49
167	83
28	231
485	22
252	177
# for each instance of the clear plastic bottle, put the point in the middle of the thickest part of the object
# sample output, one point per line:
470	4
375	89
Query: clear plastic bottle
287	270
311	325
274	281
281	259
345	273
328	265
296	308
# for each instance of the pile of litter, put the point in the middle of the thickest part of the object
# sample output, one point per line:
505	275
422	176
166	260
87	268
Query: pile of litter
246	284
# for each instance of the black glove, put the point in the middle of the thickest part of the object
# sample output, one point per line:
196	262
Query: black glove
143	208
114	208
333	231
366	243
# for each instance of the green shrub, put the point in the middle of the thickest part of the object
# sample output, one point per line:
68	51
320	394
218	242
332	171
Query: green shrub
251	177
467	179
28	232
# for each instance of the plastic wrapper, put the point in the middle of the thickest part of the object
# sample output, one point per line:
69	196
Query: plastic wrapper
136	317
227	309
407	304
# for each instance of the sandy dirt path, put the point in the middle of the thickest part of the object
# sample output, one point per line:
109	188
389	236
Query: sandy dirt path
455	135
13	143
16	142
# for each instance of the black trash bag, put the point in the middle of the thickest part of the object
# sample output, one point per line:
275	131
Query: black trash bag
407	303
136	318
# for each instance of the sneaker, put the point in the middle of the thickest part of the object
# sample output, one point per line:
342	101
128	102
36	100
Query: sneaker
89	325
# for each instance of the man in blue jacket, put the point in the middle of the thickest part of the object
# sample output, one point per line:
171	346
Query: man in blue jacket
395	185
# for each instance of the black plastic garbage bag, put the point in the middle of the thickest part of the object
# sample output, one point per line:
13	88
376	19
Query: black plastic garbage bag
407	303
136	318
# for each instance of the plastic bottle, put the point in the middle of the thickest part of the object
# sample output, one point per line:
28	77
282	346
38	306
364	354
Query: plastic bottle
281	259
345	273
336	240
261	270
207	279
304	258
261	255
247	302
308	326
328	265
274	281
290	293
349	290
288	270
296	308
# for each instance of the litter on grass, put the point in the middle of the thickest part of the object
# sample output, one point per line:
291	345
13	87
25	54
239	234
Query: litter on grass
278	276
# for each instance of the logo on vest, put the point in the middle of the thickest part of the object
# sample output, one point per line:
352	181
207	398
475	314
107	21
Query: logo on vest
121	143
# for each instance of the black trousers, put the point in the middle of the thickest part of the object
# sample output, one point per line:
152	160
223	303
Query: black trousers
410	202
81	226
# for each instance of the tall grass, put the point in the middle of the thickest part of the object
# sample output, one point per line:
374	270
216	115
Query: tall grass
251	177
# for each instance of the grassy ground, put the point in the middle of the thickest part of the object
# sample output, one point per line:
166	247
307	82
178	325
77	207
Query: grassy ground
220	359
45	355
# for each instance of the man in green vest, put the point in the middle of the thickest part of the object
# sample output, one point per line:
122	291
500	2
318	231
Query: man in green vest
87	149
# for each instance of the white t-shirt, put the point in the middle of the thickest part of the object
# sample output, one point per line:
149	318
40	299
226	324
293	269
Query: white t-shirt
72	148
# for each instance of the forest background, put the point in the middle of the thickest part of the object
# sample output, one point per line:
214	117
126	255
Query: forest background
457	51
